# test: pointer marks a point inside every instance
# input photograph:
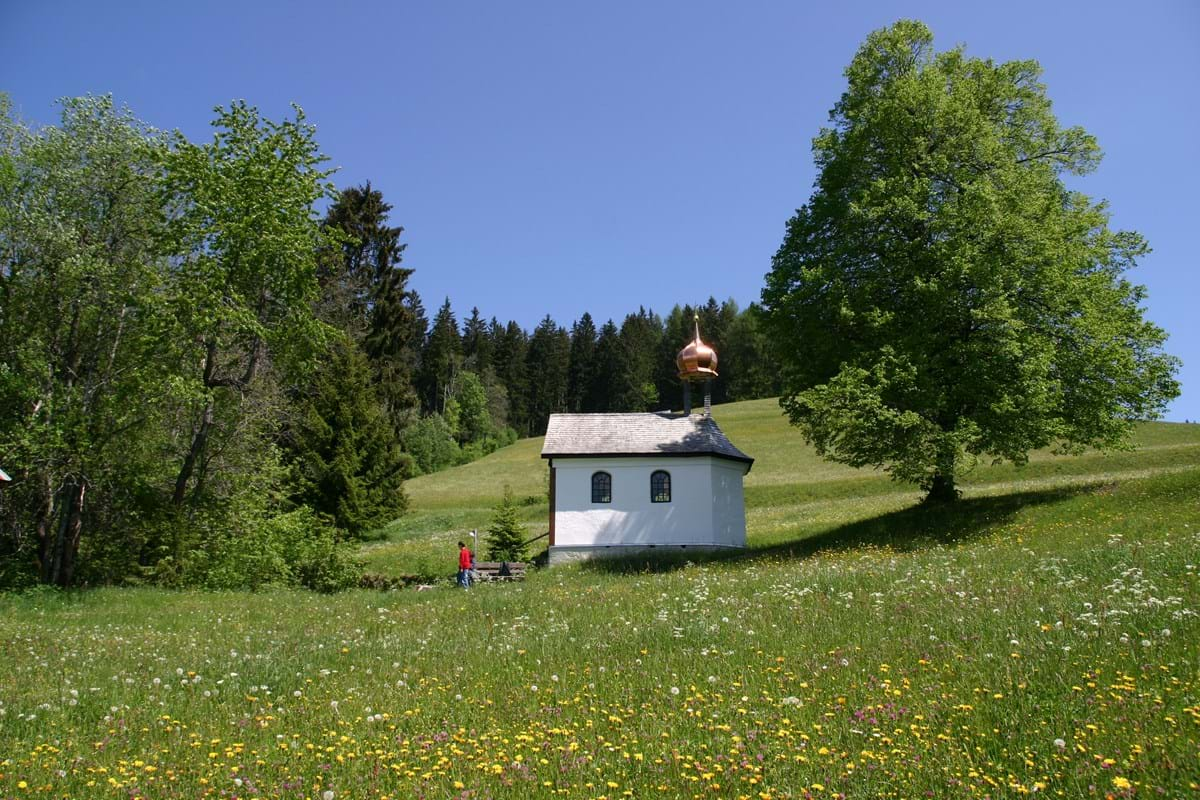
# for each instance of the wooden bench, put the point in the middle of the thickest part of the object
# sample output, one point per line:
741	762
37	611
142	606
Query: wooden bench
499	570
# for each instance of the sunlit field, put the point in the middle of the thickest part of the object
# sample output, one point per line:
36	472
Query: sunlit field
1042	637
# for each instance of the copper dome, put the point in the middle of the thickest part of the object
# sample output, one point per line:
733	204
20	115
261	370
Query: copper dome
697	361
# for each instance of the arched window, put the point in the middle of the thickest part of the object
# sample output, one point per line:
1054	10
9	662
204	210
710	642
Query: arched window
601	487
660	487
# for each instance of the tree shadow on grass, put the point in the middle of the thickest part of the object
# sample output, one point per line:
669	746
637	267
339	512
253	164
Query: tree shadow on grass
914	528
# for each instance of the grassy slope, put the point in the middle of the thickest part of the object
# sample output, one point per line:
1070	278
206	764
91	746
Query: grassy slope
791	493
1042	636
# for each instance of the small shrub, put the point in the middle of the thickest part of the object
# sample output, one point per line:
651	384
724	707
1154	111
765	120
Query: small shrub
506	536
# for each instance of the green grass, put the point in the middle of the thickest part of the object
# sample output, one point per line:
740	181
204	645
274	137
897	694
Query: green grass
791	493
1039	637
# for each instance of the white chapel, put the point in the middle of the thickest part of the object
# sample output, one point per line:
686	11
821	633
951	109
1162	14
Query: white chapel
623	484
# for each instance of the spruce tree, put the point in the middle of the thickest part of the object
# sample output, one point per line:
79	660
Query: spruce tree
582	367
511	347
678	330
602	393
342	453
476	344
750	353
506	535
641	338
548	365
363	262
392	344
440	360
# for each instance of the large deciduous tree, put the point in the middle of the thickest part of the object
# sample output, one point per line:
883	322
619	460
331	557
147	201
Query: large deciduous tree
248	236
944	295
84	363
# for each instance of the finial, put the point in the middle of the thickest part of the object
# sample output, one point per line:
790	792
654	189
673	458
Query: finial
696	361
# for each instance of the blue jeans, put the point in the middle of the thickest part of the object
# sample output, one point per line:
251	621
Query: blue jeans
464	578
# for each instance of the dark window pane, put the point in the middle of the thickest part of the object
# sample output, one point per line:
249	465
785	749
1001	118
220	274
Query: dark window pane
601	487
660	487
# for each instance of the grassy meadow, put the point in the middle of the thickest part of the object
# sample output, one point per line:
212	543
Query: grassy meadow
1039	638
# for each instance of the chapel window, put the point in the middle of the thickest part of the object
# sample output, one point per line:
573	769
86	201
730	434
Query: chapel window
601	487
660	487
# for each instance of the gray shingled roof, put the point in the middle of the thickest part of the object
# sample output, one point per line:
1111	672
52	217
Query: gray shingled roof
654	434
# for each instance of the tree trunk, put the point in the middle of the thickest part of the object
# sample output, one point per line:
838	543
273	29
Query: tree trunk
45	534
74	532
199	442
942	489
59	531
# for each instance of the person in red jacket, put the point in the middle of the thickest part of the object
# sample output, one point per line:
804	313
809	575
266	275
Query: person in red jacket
464	566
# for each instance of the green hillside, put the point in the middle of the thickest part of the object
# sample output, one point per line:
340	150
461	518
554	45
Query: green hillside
1041	637
791	493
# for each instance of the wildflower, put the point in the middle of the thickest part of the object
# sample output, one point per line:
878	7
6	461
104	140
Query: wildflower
1121	783
327	794
674	690
1060	743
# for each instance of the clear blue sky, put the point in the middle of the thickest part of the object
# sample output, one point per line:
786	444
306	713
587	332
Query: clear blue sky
561	157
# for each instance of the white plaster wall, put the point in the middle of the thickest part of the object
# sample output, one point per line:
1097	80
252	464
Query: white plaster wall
631	519
728	503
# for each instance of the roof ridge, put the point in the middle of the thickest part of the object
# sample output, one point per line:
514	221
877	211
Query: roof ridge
645	433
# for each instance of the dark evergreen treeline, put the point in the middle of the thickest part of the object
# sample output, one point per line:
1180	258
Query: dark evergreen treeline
526	376
482	384
205	381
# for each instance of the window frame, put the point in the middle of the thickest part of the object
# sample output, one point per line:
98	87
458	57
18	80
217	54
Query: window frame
606	481
657	493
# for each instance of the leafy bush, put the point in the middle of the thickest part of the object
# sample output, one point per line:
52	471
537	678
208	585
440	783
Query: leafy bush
430	442
296	549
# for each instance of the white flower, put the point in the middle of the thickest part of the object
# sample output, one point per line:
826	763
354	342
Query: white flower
296	693
327	794
791	700
1060	744
533	688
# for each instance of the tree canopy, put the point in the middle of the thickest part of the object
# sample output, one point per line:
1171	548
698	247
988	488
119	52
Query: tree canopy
944	295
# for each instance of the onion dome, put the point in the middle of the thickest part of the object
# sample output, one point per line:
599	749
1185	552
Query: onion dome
697	361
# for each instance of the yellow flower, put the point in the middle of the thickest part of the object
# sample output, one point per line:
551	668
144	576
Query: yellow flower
1121	783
